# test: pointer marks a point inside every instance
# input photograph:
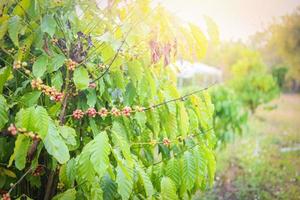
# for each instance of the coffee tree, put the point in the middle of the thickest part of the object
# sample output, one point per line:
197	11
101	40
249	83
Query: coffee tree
89	107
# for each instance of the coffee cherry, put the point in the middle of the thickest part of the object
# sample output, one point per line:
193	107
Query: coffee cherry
103	112
126	111
6	196
71	64
24	64
115	112
91	112
78	114
166	142
17	64
37	83
38	170
58	96
12	129
54	41
27	71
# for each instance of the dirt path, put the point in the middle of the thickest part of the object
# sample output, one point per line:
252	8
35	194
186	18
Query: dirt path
265	162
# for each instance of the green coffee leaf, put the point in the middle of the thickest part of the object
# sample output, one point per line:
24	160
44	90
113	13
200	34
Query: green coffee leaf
30	99
3	112
68	134
55	145
40	66
70	194
14	28
81	78
4	75
168	189
48	25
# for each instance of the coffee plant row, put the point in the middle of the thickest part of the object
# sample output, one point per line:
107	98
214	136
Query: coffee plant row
89	107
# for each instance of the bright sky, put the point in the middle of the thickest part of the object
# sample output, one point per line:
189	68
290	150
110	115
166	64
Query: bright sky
237	19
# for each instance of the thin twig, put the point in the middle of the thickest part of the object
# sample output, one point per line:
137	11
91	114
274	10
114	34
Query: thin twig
182	98
22	177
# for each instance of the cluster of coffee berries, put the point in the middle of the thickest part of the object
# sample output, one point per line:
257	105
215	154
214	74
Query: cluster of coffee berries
12	129
6	196
54	41
32	135
78	114
38	170
166	142
71	64
17	64
91	112
103	112
47	90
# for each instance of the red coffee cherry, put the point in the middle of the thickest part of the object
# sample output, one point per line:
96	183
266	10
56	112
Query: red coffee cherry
166	142
91	112
126	111
6	196
78	114
12	129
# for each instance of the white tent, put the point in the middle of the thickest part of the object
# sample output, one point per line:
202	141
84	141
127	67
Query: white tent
197	74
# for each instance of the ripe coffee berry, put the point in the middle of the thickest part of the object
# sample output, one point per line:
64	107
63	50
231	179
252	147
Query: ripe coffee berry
12	129
6	196
91	112
126	111
103	112
78	114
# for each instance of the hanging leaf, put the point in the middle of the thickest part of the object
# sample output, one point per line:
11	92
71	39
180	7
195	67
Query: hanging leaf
57	80
81	78
55	145
20	152
100	150
173	171
40	66
3	112
30	99
135	71
183	120
70	194
14	28
3	26
109	187
68	134
168	189
124	181
189	170
4	75
56	62
48	25
145	180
